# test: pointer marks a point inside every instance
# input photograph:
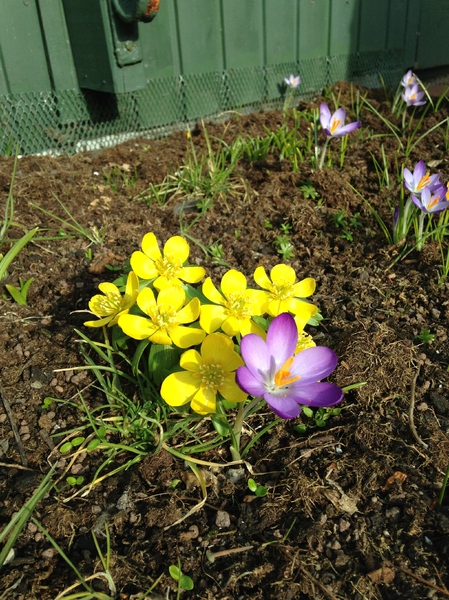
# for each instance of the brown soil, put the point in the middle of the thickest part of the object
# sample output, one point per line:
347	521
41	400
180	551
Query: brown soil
339	520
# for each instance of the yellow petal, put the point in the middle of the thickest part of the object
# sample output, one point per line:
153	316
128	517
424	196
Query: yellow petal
146	300
172	297
276	307
191	361
98	322
233	281
283	273
304	288
231	326
301	309
178	248
151	247
211	292
249	326
139	328
259	301
204	401
212	317
192	274
108	288
262	279
185	337
163	282
217	347
179	388
143	266
132	284
190	312
231	391
99	305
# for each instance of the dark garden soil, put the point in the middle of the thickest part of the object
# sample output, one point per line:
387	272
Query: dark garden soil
351	509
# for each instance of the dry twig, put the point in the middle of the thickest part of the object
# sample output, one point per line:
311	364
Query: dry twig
411	419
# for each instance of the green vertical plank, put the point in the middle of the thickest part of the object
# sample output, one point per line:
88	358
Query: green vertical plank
281	31
373	25
433	47
199	35
343	38
411	35
397	25
57	43
243	32
312	43
23	49
4	88
160	44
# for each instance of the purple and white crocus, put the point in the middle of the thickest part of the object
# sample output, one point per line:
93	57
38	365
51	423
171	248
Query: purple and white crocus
417	181
432	201
286	381
408	79
334	124
412	96
293	81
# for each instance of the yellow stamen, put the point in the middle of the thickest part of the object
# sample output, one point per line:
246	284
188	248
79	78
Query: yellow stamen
282	377
335	124
433	202
424	181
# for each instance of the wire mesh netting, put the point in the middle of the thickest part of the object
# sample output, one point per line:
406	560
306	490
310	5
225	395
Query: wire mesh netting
71	121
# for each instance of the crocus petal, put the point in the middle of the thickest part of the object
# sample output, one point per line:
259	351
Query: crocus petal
408	178
313	364
282	337
185	337
317	394
212	317
325	115
417	201
230	390
249	383
177	247
150	246
284	407
347	129
256	355
143	266
233	281
337	119
179	388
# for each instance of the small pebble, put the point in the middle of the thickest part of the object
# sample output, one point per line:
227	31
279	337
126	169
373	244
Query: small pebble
223	520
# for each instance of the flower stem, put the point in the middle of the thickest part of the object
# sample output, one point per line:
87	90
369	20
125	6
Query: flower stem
237	431
323	153
419	241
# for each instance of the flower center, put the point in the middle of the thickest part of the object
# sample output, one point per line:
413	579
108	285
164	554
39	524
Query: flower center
283	376
238	305
281	290
433	201
107	305
335	125
168	266
212	376
165	317
425	180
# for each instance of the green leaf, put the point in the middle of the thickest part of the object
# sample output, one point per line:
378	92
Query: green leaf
175	573
93	444
261	491
185	582
77	441
252	485
66	447
308	411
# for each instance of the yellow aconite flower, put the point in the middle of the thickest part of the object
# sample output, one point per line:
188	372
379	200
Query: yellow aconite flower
166	317
207	372
285	294
304	341
168	267
233	308
110	306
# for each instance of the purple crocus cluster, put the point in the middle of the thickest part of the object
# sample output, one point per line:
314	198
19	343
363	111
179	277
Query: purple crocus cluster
428	193
412	95
284	379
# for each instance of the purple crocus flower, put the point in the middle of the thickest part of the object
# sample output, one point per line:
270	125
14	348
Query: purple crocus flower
292	81
408	79
412	96
284	380
417	181
333	124
432	201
